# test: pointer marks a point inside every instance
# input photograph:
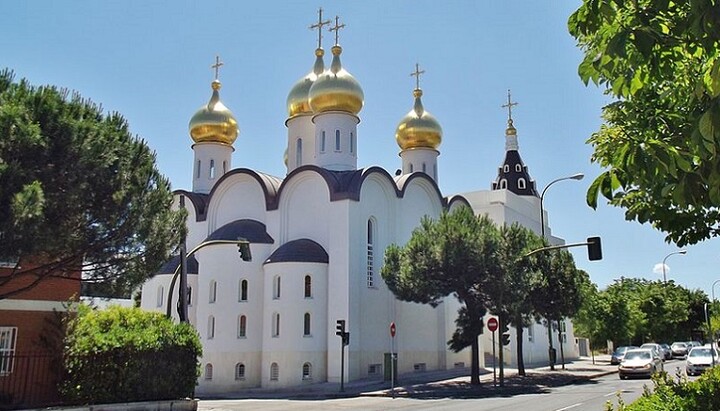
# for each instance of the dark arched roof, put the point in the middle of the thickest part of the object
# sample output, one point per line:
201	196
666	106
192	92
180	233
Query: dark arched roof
199	202
174	263
251	230
269	184
457	198
303	250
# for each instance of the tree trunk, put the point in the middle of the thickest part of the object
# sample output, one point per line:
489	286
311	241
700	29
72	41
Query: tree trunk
475	362
519	347
550	346
501	351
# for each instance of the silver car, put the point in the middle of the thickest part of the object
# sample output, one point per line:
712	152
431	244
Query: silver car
641	362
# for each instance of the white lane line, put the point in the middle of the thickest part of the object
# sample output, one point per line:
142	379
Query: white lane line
569	407
612	393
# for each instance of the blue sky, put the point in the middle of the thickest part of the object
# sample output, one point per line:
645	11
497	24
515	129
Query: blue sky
150	61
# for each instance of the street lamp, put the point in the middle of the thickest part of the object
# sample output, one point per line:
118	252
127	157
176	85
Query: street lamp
578	176
683	252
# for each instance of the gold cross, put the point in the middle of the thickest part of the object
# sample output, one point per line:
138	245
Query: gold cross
337	28
417	74
319	26
509	106
217	66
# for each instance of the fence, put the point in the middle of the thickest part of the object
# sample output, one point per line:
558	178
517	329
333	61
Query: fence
29	380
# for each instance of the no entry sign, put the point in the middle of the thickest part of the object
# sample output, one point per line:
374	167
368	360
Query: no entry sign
492	324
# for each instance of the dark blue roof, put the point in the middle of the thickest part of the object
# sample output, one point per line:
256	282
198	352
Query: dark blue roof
301	251
251	230
512	176
172	265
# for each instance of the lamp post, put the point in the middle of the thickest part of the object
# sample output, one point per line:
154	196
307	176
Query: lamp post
578	176
551	350
683	252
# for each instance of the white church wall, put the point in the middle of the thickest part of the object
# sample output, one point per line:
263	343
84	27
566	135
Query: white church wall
304	210
300	127
212	161
336	155
239	196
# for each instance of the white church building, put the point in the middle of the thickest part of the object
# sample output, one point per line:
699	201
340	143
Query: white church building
317	237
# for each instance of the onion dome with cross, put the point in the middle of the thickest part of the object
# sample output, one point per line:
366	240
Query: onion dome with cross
298	100
214	122
336	89
418	128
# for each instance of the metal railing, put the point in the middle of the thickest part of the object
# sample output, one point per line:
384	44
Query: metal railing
29	380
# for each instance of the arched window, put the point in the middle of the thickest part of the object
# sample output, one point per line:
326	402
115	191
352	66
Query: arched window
189	296
276	287
208	371
307	371
213	292
298	153
160	295
243	291
370	253
352	142
211	328
337	140
212	168
306	325
322	142
521	184
239	371
503	184
274	372
518	168
506	168
411	168
197	170
242	327
276	325
224	167
308	286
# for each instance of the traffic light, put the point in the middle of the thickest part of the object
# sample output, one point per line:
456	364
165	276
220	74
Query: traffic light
244	250
346	339
594	248
340	329
505	334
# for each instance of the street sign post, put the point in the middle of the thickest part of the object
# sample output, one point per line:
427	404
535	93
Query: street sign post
492	325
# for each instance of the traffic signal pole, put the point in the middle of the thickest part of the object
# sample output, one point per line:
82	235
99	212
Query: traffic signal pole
344	340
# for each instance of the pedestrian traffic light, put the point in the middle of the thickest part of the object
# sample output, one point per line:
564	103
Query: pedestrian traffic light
244	250
346	338
505	334
340	329
594	248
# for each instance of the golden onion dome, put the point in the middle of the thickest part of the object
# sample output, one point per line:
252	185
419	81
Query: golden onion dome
298	100
214	122
418	128
336	89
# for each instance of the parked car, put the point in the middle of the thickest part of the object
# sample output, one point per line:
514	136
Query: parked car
679	349
655	347
640	362
666	351
619	354
700	359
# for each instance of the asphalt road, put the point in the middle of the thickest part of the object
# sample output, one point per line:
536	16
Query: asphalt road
588	395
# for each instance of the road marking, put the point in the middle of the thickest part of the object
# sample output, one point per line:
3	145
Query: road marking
612	393
569	407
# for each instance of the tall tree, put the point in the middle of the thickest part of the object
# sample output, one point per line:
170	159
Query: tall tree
454	255
78	192
659	145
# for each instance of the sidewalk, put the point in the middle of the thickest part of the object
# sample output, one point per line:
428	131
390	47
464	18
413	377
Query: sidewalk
445	383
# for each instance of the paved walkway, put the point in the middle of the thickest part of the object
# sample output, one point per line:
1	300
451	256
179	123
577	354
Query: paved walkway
446	382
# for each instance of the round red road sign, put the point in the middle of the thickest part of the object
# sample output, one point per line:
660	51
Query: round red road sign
492	324
392	329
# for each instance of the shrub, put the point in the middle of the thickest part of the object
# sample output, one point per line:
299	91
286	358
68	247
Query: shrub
126	354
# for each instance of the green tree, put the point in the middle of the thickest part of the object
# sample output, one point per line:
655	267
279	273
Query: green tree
660	60
78	192
509	292
454	255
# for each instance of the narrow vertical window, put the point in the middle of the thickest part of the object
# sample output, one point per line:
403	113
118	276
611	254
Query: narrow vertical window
503	184
274	372
337	140
308	286
208	371
160	295
211	328
198	169
276	288
370	254
298	153
307	371
243	293
8	337
352	142
518	168
521	184
212	168
189	296
506	168
424	168
411	168
239	371
276	325
224	167
306	324
435	172
322	142
213	292
242	327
